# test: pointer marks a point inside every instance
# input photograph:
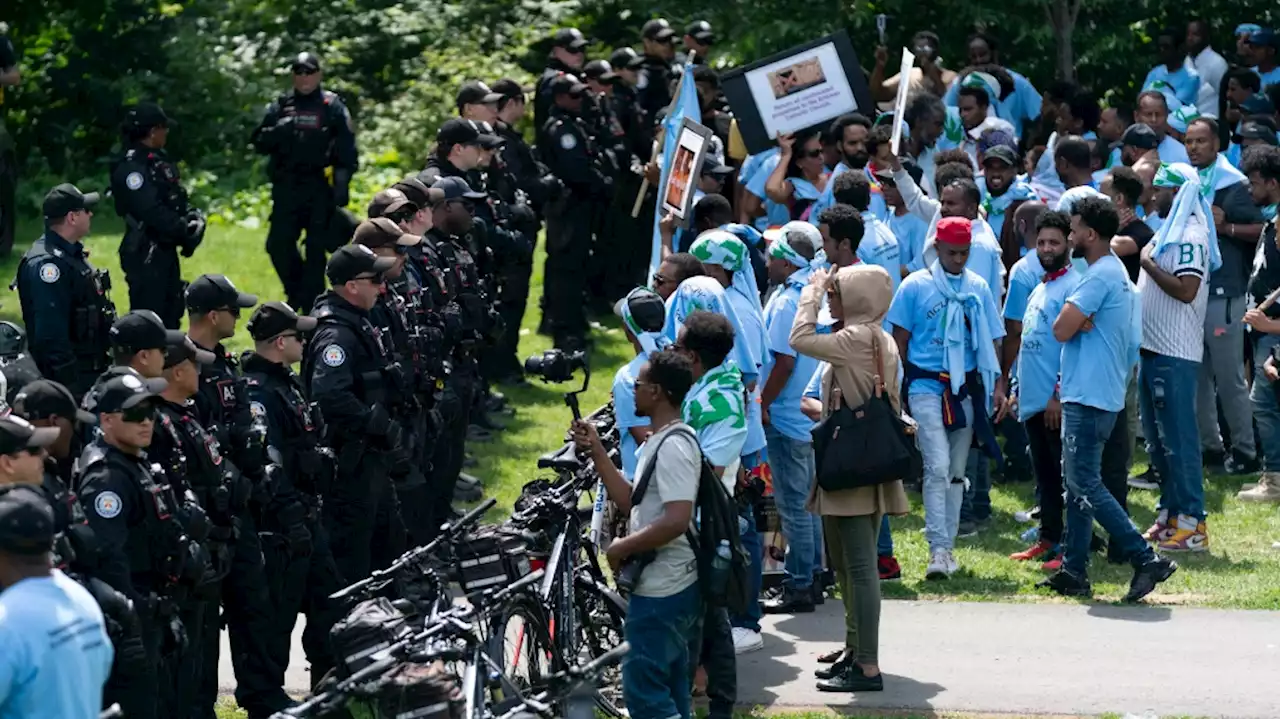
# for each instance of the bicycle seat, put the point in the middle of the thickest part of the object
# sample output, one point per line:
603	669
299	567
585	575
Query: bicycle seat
561	460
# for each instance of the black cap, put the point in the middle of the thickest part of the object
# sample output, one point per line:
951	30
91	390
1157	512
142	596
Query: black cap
388	201
65	199
45	398
305	61
351	261
126	390
1258	131
1141	136
566	84
569	37
276	318
626	57
658	29
1004	153
418	193
506	87
646	308
187	351
712	166
476	93
381	232
456	188
599	70
17	434
701	31
489	137
216	292
143	330
146	115
26	520
458	132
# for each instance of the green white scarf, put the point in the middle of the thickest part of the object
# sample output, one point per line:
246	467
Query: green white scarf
718	396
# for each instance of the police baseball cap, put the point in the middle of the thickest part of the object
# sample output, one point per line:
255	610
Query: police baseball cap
125	391
458	132
506	87
658	29
187	351
701	31
647	311
305	61
489	138
569	37
17	434
599	70
275	318
1253	130
476	93
1265	37
352	261
418	193
626	57
382	232
45	398
146	115
26	520
1003	153
143	330
1140	136
389	201
712	166
65	199
456	188
566	84
216	292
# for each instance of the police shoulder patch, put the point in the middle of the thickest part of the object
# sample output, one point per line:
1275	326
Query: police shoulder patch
568	141
133	181
108	505
334	356
49	272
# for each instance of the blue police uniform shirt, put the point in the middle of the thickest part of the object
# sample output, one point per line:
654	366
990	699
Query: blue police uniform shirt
55	655
918	308
911	232
1040	356
779	315
1095	364
1185	82
624	410
880	247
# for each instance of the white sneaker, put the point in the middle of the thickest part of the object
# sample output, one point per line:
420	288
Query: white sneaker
746	640
939	566
953	565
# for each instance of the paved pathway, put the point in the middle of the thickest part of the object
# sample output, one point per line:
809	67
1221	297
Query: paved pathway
1018	659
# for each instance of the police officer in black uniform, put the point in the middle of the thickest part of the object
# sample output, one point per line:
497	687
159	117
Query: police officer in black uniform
66	305
143	550
304	132
344	372
568	54
698	39
657	75
139	340
570	153
607	279
301	572
214	305
10	76
159	218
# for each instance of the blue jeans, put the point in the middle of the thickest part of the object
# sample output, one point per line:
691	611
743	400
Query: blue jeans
751	543
1167	394
655	673
945	455
976	506
1085	431
793	468
1266	410
884	542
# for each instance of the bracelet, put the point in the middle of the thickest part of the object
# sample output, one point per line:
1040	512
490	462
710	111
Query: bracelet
1231	230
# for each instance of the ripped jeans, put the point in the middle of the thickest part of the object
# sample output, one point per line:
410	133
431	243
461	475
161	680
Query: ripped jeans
1085	431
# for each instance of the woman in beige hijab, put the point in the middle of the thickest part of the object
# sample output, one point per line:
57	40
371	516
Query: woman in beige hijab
858	297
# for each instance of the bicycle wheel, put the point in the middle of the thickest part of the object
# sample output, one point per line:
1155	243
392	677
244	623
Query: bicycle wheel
520	641
601	616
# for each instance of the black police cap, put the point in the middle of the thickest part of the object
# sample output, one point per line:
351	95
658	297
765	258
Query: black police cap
458	132
626	57
352	261
143	330
123	391
65	199
566	84
599	70
657	29
44	398
17	434
187	350
146	115
476	93
216	292
273	319
305	61
456	188
570	38
26	520
701	31
506	87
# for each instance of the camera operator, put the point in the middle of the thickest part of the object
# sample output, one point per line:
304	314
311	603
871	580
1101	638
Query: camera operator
301	572
665	603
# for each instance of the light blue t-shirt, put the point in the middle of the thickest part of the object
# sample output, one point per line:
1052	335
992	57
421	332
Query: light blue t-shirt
1022	105
754	343
55	655
1185	82
779	315
775	213
918	308
1040	358
1023	278
1170	150
879	247
1270	77
827	198
624	410
910	231
1095	364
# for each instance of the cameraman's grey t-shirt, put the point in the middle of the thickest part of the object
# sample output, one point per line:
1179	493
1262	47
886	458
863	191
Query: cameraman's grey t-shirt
675	479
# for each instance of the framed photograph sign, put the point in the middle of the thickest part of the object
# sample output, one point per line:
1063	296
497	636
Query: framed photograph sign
692	145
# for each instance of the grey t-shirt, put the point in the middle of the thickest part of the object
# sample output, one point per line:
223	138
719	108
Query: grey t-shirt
675	479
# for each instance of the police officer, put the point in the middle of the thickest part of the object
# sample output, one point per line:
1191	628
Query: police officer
139	340
158	216
304	132
65	302
571	156
568	53
627	232
476	101
654	81
344	372
698	39
10	76
606	281
301	572
143	551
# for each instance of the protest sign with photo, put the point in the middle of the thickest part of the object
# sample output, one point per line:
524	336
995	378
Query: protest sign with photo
686	164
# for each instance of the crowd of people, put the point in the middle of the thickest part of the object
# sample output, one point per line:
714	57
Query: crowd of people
1031	267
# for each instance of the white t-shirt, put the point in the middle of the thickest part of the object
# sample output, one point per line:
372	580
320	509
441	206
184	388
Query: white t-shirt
1172	327
675	479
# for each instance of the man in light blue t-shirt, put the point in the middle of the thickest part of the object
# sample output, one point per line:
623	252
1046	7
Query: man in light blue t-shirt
55	655
1096	328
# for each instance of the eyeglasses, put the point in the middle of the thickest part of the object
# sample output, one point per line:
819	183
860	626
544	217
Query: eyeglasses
304	71
374	278
139	413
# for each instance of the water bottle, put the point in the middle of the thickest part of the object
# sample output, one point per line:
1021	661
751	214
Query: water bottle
720	569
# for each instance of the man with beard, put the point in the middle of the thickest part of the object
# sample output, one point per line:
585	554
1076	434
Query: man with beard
1005	193
853	134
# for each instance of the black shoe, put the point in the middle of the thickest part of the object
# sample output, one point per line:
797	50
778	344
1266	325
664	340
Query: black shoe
831	657
1146	577
1213	458
468	461
1242	464
791	601
1150	479
484	421
968	528
853	680
831	671
819	592
476	433
1067	584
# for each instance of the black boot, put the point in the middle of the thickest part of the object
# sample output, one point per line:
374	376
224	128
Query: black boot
791	601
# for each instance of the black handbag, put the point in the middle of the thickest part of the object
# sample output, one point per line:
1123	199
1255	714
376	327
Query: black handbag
866	445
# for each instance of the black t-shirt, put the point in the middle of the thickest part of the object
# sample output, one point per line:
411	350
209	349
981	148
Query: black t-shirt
1141	234
1266	269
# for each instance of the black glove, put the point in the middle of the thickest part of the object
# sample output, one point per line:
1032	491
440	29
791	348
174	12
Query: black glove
341	187
379	422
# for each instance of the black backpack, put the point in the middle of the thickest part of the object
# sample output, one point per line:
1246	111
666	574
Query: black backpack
717	519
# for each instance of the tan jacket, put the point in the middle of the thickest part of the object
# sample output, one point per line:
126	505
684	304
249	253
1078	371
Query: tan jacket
865	293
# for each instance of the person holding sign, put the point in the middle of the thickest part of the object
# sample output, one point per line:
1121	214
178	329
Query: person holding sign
800	177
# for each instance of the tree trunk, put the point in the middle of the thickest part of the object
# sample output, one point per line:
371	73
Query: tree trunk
1062	18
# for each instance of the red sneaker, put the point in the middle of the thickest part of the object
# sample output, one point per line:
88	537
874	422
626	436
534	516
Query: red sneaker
1052	565
1035	551
889	568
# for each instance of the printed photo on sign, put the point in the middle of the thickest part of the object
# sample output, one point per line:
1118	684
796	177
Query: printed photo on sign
686	165
796	78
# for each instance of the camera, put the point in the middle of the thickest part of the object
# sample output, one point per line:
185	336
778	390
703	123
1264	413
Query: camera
631	569
555	365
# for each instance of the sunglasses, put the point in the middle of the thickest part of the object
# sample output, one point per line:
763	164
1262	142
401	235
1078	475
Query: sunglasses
233	311
304	71
139	413
811	153
374	278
